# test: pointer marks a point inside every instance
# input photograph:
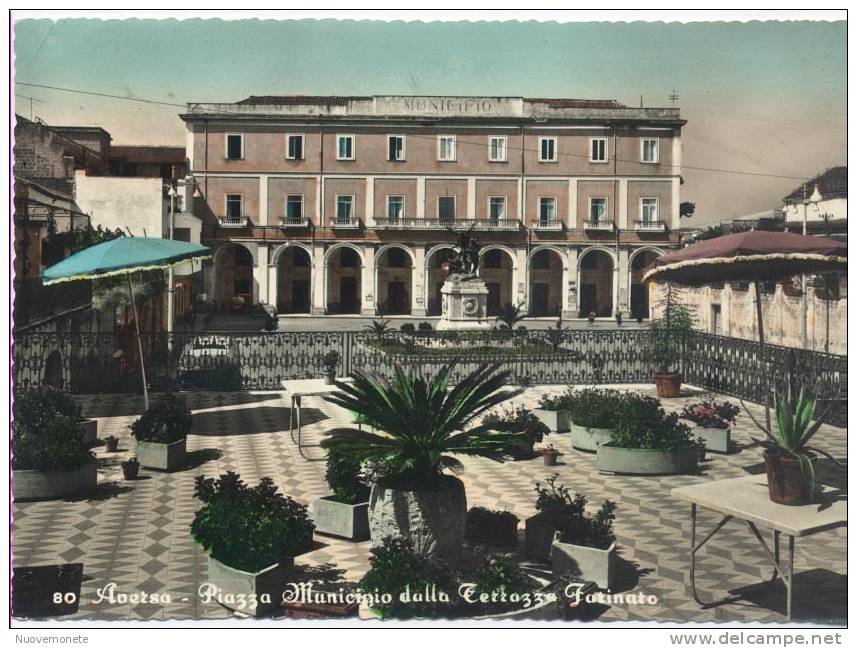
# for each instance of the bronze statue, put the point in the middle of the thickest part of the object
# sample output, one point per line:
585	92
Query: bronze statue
464	263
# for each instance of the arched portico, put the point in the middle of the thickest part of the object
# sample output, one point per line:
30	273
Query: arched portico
596	282
435	275
293	281
234	285
343	278
395	266
498	269
548	278
640	303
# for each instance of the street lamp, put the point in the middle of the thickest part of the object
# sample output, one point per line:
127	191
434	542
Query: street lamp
813	199
173	193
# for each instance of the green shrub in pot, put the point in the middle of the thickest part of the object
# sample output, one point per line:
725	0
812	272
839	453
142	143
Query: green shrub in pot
568	514
166	421
592	408
520	421
343	477
642	423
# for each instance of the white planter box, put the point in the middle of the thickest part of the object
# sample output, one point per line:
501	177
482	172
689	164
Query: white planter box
715	439
89	431
334	518
589	439
161	456
645	461
585	563
556	421
53	484
254	593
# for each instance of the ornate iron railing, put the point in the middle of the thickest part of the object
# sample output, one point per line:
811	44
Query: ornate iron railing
96	363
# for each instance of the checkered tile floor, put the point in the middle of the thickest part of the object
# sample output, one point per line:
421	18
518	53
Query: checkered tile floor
136	534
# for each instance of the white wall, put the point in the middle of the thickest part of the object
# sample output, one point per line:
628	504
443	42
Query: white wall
134	203
836	207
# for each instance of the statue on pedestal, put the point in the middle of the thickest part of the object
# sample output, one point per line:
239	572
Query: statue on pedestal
464	294
464	264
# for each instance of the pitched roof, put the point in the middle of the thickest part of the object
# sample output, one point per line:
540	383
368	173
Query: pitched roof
297	100
832	183
579	103
149	154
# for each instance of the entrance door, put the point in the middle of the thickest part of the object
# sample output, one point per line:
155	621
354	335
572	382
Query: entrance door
716	323
588	299
397	298
300	296
348	295
493	304
639	301
540	300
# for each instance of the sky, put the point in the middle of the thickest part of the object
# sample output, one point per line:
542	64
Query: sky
758	97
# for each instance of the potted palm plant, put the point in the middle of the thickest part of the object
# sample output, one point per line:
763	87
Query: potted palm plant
666	341
330	361
417	424
49	457
252	535
788	458
345	513
161	433
712	423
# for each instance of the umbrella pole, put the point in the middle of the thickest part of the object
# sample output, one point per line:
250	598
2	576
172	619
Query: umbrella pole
762	345
139	342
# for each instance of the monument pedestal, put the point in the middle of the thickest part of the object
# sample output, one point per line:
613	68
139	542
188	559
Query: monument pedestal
464	304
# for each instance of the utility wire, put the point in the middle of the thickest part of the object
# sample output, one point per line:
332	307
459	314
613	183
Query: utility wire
467	142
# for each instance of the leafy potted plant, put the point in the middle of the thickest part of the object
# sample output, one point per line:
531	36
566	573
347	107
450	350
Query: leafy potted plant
647	441
161	433
330	361
552	411
788	458
130	468
345	513
50	399
252	535
712	423
592	416
49	458
418	423
667	336
111	443
577	543
488	526
521	422
549	455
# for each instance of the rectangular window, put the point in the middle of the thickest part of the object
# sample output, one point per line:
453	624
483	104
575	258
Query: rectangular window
547	149
234	146
598	210
547	210
446	148
234	207
294	147
598	149
396	148
446	208
649	210
497	208
294	207
395	207
345	147
497	149
649	150
344	208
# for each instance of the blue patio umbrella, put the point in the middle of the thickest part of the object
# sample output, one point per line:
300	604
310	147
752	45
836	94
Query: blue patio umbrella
124	256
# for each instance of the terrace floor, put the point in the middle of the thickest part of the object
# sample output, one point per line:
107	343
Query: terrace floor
136	534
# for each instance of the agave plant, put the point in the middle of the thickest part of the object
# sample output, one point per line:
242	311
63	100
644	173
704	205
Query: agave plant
418	422
795	425
510	314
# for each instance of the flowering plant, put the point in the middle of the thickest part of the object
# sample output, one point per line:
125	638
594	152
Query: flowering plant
711	414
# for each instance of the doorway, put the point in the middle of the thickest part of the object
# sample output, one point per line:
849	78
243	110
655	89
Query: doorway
588	299
397	298
540	306
493	304
300	296
348	295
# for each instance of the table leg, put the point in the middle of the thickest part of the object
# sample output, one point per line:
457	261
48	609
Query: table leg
791	570
298	414
694	548
291	418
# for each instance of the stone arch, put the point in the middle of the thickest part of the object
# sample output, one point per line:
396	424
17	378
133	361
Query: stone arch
343	284
498	246
499	278
293	277
394	283
639	303
596	281
275	256
328	253
434	277
235	286
547	276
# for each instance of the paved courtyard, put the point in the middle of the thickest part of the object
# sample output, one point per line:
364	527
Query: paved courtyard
136	534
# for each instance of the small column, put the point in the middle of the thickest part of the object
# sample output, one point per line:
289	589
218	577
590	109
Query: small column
520	279
418	288
318	281
624	279
368	304
272	285
260	275
569	299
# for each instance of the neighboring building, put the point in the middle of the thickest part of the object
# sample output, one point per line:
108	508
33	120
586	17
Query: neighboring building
147	161
817	320
343	204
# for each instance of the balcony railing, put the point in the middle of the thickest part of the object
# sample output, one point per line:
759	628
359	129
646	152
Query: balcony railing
296	222
345	223
553	225
480	224
650	226
234	221
601	225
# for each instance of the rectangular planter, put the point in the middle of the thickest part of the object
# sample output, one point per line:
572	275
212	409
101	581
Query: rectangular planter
253	593
556	421
89	431
53	484
645	461
539	536
334	518
585	563
589	439
161	456
715	439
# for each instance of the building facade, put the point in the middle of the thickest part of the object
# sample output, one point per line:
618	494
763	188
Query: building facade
329	205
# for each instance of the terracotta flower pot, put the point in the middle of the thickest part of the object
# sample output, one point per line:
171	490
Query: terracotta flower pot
668	384
550	457
130	471
785	480
111	444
